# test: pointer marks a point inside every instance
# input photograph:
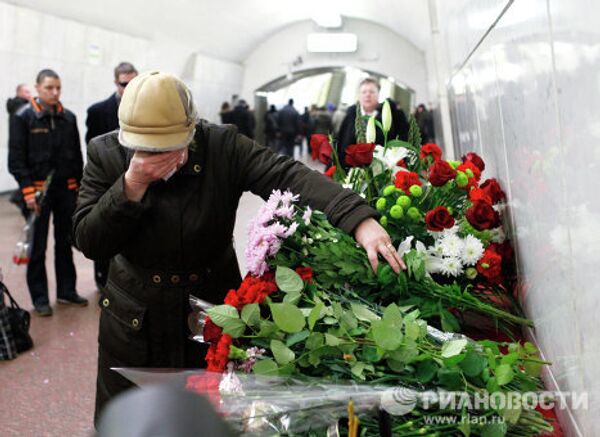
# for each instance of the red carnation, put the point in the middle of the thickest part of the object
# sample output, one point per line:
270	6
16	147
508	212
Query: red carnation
475	159
505	250
468	165
217	356
431	149
306	273
406	179
232	299
490	265
439	219
316	142
401	163
482	216
440	173
211	331
358	155
330	171
492	188
479	195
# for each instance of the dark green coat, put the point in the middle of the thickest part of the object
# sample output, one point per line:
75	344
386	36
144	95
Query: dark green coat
178	240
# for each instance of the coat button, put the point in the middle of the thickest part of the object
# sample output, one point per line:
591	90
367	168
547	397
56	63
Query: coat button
175	279
193	277
156	279
105	303
135	323
197	168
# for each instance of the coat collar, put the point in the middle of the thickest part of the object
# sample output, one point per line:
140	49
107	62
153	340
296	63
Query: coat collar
41	111
194	164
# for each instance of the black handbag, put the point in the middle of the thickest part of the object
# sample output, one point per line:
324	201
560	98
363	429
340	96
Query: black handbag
19	320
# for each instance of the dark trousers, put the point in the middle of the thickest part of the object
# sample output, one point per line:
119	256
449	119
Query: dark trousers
61	204
287	144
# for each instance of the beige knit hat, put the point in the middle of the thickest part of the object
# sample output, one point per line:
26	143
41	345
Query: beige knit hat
156	113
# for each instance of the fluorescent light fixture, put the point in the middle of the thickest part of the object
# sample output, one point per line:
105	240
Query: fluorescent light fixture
331	42
327	18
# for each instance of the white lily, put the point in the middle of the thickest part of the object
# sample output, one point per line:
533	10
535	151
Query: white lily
371	133
392	156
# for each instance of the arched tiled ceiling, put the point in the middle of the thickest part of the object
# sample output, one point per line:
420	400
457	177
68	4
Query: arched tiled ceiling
230	29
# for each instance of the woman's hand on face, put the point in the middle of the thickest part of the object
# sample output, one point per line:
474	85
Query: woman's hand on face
375	240
145	168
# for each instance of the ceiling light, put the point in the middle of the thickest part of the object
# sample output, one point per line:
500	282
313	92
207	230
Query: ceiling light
331	42
327	18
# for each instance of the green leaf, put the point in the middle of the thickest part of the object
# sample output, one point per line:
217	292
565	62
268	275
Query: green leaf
393	316
386	335
265	367
315	314
332	340
287	317
509	359
533	369
251	314
504	374
465	427
412	330
473	364
234	327
449	322
450	379
494	430
453	347
288	280
357	369
283	354
315	341
511	415
363	313
267	328
371	354
406	353
348	321
221	314
426	370
491	385
297	338
293	297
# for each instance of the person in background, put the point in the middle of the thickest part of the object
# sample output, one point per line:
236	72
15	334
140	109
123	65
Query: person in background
225	113
338	116
289	124
322	122
243	118
272	129
43	143
368	98
306	125
102	118
22	97
161	204
425	121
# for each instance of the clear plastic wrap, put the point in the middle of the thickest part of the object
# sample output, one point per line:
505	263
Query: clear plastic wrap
23	247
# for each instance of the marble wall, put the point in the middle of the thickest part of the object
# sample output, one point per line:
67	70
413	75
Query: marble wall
524	85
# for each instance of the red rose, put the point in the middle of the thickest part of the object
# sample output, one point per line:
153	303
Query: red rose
306	273
482	216
468	165
431	149
479	195
358	155
475	159
439	219
330	171
316	142
401	163
325	153
440	173
211	331
492	188
232	299
406	179
505	250
490	265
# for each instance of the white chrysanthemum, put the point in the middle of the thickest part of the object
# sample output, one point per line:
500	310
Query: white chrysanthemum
451	266
433	264
452	245
472	250
436	250
498	235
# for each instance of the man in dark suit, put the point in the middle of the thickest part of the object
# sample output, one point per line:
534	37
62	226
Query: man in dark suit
102	117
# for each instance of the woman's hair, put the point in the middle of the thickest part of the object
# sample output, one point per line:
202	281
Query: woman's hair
225	106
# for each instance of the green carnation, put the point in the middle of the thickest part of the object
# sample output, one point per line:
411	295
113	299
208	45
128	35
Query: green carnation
389	190
397	212
383	221
404	201
461	179
381	204
416	190
413	213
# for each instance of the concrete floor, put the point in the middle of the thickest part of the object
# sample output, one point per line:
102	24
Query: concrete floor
50	390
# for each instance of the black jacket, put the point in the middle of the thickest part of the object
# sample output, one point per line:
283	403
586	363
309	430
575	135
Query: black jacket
102	117
39	142
244	120
347	134
289	121
14	104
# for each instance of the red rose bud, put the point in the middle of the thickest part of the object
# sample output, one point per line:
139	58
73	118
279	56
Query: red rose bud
475	159
325	152
492	188
316	141
439	219
482	216
490	265
401	163
330	171
466	166
431	149
358	155
405	179
440	173
306	273
479	195
211	331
